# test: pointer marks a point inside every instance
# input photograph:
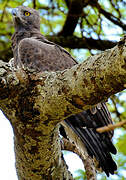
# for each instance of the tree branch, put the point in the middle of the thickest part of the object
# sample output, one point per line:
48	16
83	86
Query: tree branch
74	42
111	127
87	160
75	11
4	10
108	15
34	4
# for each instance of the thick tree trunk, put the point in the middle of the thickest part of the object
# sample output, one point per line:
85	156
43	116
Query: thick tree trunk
36	103
38	155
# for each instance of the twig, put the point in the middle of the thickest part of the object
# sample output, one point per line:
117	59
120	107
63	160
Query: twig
87	161
110	127
4	10
108	15
113	99
67	145
34	4
90	168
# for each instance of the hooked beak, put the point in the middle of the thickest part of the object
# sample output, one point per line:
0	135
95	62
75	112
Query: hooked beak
15	12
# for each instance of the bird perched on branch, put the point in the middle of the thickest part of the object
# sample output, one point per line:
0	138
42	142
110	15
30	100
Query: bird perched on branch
33	51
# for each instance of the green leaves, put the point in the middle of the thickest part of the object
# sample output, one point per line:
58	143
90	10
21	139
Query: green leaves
121	145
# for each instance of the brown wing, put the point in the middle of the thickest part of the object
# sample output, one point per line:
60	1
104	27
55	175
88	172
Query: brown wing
42	56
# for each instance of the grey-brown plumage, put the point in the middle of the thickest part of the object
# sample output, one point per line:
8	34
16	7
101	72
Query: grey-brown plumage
33	51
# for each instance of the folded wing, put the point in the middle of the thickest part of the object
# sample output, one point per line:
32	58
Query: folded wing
98	145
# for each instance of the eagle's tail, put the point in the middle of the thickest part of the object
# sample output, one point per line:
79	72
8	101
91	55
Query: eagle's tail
98	145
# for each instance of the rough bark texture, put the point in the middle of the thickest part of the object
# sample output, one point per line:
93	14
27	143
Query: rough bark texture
36	103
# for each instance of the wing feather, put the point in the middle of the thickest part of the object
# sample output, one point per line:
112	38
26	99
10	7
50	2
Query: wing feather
98	145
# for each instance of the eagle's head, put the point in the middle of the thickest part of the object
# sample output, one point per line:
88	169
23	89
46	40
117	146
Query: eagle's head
25	18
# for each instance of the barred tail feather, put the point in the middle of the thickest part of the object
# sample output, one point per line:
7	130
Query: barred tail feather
98	145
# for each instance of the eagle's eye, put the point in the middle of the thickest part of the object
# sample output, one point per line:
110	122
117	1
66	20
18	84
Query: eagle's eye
26	13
